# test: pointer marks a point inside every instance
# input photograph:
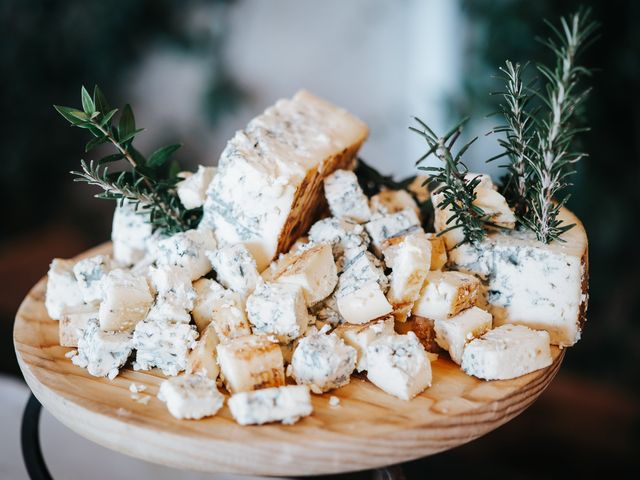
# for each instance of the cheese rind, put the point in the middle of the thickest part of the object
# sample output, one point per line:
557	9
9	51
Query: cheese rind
454	333
508	351
191	396
235	268
126	301
192	191
398	364
164	345
63	290
445	294
279	161
277	404
345	197
361	336
438	252
322	361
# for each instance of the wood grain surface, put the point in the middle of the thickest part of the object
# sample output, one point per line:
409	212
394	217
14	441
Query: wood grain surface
368	429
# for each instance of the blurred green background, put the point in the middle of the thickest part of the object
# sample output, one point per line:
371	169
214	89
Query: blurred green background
49	48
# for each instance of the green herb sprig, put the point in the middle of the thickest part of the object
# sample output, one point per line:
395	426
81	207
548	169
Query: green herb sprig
149	183
451	180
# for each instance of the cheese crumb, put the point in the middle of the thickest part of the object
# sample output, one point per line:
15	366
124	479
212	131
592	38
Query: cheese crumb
334	401
71	354
135	388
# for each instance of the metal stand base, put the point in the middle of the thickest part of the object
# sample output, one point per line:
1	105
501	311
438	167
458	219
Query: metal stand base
30	441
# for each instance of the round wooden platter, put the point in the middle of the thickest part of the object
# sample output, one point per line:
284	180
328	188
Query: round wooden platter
368	429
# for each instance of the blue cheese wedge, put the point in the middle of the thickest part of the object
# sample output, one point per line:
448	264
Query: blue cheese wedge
102	353
313	269
63	291
361	336
345	197
322	361
278	309
235	268
277	404
393	201
73	321
126	301
250	363
192	191
347	238
191	396
130	233
399	365
446	294
529	283
508	351
186	250
269	186
203	358
383	227
454	333
89	273
409	257
164	345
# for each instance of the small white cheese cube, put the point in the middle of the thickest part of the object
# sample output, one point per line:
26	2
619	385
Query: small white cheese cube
221	308
130	232
191	396
364	304
409	258
361	336
73	321
446	294
235	268
126	300
313	269
164	345
278	309
399	365
192	191
102	353
89	272
454	333
322	361
508	351
250	363
208	294
438	252
202	359
383	227
186	250
361	269
175	294
343	235
278	404
345	197
63	290
393	201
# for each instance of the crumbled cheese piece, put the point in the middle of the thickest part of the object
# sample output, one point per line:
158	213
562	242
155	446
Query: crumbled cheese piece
130	232
63	290
191	396
192	191
73	321
345	197
235	268
508	351
89	272
398	364
383	227
136	388
164	345
250	363
446	294
278	404
203	357
71	354
334	401
454	333
126	300
343	235
322	361
393	201
361	336
186	250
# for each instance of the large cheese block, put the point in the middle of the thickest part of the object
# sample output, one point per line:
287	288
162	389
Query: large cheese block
269	186
527	282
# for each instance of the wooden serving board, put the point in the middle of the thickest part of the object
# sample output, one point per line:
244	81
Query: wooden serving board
369	429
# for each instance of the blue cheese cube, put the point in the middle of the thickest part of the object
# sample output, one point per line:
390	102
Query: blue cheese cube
186	250
203	357
130	233
192	191
73	321
446	294
63	291
250	363
278	309
438	251
277	404
164	345
383	227
399	365
393	201
508	351
361	336
454	333
191	396
340	233
89	272
126	300
345	197
175	295
322	361
327	311
102	353
235	268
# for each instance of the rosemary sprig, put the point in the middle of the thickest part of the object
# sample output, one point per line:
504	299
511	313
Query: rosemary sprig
149	183
452	181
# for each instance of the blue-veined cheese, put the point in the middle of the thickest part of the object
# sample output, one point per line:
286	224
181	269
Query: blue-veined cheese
175	295
89	273
63	290
445	294
130	232
345	197
192	191
277	404
393	201
383	227
347	238
235	268
191	396
186	250
361	336
454	333
203	358
73	321
164	345
126	300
